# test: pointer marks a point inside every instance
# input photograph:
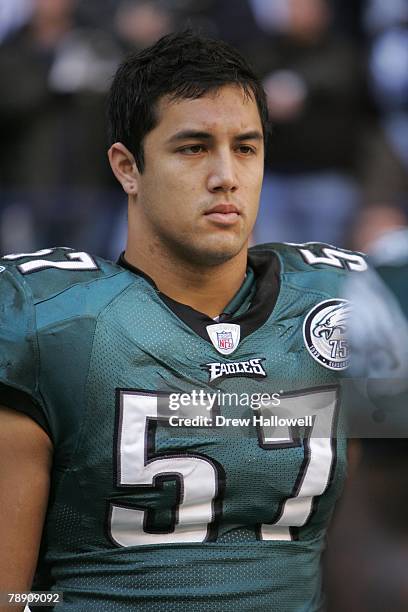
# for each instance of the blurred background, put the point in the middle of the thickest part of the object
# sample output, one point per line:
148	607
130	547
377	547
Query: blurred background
336	75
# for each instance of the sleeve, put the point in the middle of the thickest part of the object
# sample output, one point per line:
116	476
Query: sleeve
18	349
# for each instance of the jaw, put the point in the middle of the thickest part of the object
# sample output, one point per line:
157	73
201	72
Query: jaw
215	245
198	243
208	253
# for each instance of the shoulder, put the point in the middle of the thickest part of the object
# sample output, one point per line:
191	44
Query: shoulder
47	274
50	302
314	265
312	256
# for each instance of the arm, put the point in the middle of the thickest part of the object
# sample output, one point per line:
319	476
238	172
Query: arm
25	463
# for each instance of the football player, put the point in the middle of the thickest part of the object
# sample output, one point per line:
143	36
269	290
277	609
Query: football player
168	437
368	541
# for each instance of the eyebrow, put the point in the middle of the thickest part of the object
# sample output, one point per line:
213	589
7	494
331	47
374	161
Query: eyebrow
199	135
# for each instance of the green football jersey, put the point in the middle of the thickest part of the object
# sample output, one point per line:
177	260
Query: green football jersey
196	462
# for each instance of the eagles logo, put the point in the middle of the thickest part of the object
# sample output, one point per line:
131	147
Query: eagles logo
324	333
332	323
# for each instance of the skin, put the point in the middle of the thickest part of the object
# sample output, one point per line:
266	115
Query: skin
202	153
25	463
194	254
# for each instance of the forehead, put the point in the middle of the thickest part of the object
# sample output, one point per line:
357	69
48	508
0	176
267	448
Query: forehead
228	109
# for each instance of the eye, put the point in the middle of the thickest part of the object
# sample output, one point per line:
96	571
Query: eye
246	150
192	149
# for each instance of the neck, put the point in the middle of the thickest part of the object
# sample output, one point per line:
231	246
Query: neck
207	289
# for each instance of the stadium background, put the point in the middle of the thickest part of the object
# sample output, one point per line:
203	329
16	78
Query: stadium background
336	73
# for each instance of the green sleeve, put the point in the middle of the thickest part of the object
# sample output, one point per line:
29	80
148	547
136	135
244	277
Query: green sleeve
18	349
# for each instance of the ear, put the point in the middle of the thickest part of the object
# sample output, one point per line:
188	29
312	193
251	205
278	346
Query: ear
124	168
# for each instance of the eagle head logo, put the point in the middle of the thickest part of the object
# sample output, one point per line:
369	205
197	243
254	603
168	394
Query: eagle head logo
324	333
333	320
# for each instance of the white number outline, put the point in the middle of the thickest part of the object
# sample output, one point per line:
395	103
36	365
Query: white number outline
320	455
332	256
76	261
201	528
294	512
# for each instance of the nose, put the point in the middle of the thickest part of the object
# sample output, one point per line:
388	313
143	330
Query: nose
222	175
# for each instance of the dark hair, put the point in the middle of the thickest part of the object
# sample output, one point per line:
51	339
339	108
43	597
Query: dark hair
182	65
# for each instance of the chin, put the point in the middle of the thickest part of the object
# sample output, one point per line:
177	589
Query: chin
203	250
216	254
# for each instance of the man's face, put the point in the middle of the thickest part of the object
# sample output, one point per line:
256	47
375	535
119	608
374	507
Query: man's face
199	192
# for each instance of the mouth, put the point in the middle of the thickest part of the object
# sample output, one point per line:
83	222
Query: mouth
223	214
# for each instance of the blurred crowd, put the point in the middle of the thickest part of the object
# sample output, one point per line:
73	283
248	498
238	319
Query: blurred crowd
336	76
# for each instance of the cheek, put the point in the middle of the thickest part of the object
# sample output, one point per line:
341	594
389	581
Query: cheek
172	181
181	189
255	186
169	201
156	190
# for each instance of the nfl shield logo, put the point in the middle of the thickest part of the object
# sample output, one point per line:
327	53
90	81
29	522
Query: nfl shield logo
224	337
225	340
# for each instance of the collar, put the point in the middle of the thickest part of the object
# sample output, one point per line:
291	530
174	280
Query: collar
250	307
